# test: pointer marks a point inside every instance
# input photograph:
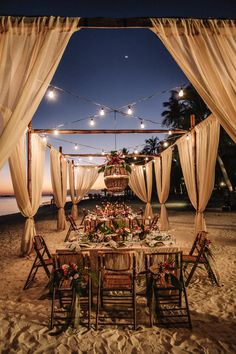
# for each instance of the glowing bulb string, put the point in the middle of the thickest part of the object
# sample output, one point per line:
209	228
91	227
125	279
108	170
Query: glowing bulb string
119	110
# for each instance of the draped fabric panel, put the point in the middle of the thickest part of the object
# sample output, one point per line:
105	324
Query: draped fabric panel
138	185
162	172
18	169
73	192
59	185
199	179
206	52
86	177
30	52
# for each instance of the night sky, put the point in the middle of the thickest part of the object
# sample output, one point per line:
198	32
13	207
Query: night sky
111	67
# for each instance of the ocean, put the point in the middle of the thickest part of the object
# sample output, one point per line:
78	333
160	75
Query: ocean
8	205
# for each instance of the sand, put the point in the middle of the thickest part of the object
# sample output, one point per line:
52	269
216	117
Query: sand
24	318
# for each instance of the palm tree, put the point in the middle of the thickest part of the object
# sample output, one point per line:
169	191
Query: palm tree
152	146
178	116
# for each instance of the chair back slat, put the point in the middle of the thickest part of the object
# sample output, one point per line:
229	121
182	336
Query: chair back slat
67	257
39	243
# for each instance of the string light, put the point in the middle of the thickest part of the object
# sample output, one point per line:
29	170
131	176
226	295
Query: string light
103	152
51	94
45	139
92	122
187	137
102	112
146	158
181	92
76	146
132	164
170	132
130	111
165	144
135	157
56	132
123	156
142	125
136	151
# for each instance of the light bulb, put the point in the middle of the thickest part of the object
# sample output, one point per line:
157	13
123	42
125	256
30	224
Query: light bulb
76	147
90	158
102	112
165	144
56	132
51	94
142	125
132	164
45	138
135	157
136	151
181	92
129	110
103	152
170	132
92	122
146	158
187	137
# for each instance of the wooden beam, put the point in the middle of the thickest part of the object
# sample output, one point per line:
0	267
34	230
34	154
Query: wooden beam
101	155
109	131
101	22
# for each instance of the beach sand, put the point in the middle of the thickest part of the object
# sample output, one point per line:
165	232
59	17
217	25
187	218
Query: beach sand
24	318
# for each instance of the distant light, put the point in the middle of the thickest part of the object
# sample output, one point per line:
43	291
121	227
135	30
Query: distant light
187	137
165	144
222	184
132	164
102	112
142	125
90	158
181	92
76	146
123	156
56	132
170	132
130	111
45	139
92	122
144	167
126	56
146	158
114	174
103	152
135	157
51	94
136	151
96	167
88	169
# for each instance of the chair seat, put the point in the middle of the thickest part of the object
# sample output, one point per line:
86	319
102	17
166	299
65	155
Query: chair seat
192	259
117	281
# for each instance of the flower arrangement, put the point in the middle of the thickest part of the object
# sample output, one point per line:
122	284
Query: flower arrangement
114	159
74	275
113	210
164	273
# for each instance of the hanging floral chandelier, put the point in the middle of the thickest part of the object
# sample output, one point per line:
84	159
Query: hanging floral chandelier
116	172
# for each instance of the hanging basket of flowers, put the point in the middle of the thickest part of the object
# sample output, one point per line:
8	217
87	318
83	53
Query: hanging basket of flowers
116	172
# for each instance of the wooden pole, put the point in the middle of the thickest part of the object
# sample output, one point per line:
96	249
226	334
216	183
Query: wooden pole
29	161
109	131
192	121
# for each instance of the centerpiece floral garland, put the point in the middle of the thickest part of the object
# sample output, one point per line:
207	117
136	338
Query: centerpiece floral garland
113	159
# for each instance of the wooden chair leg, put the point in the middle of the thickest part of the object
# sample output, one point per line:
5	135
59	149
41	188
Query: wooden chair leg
31	276
52	309
89	302
98	300
134	307
187	307
67	235
191	274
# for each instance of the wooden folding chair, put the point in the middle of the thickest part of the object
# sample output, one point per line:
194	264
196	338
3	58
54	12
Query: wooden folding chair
153	225
64	295
199	255
73	227
43	259
165	297
116	288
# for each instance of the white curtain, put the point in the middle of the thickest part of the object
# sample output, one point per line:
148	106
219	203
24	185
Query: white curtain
199	178
162	165
30	51
18	169
59	185
73	191
206	52
86	177
141	188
